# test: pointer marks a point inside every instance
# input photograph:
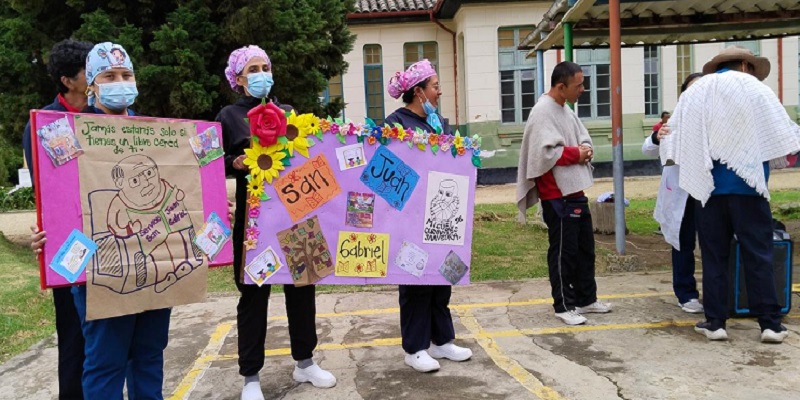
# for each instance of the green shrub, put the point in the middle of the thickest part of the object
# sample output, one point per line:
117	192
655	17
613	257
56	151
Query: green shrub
22	199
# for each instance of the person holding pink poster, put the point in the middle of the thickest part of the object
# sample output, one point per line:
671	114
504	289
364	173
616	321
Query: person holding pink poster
249	73
425	322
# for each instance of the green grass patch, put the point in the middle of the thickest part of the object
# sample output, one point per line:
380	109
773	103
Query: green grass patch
26	312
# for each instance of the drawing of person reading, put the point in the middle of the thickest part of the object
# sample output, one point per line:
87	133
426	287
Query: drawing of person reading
153	209
444	206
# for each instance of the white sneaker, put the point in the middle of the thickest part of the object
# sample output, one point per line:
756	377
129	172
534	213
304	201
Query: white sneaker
450	351
314	374
692	306
707	329
571	317
252	391
596	307
770	336
422	362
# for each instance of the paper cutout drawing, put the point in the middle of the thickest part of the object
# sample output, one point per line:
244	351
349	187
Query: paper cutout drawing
263	266
212	236
59	141
72	257
453	269
412	259
147	224
306	251
362	254
360	207
389	177
206	146
307	187
351	156
445	208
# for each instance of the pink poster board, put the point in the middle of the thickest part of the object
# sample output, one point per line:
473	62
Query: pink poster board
407	224
59	206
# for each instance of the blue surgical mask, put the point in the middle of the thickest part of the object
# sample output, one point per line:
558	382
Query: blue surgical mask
117	95
433	118
259	84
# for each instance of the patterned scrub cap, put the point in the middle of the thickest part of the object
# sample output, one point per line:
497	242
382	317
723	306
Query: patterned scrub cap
238	59
105	56
416	73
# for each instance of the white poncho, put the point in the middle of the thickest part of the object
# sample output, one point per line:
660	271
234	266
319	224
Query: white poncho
734	118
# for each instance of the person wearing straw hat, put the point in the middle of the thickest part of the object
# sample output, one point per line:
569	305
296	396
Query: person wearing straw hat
728	129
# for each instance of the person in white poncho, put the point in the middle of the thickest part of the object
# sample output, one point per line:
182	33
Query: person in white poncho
727	130
675	214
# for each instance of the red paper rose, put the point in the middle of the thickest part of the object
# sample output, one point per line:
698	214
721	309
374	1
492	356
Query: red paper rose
267	122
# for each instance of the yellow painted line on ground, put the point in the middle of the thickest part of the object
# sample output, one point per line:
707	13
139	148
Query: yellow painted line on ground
472	306
506	363
201	364
796	288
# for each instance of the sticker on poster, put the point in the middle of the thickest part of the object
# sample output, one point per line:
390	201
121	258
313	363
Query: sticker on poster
212	236
412	259
206	146
360	208
263	266
59	141
446	209
306	250
71	259
307	187
453	269
363	255
389	177
351	156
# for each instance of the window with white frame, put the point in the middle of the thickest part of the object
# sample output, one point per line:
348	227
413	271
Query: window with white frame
595	102
373	82
413	52
517	76
753	45
684	63
652	67
333	91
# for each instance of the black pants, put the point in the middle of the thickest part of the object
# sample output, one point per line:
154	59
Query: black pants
750	218
683	282
425	317
251	321
570	257
70	345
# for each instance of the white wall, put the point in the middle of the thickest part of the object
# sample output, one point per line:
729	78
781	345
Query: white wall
392	37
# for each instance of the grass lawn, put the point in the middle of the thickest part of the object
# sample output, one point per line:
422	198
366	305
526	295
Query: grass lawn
502	249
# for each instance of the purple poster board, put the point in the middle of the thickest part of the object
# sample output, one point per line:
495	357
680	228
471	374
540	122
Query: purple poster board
406	225
59	206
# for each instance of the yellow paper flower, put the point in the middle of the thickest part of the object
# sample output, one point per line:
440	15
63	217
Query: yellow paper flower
255	187
265	162
297	130
458	141
312	123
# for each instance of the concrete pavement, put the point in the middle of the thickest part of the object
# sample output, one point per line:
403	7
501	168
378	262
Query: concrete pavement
644	349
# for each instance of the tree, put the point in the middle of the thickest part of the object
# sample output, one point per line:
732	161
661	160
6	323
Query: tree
179	48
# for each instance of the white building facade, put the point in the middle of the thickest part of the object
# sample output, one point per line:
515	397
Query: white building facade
489	86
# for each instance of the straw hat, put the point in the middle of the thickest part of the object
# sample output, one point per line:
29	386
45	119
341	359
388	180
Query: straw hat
736	53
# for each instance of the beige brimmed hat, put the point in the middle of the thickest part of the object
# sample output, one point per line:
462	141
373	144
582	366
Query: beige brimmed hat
736	53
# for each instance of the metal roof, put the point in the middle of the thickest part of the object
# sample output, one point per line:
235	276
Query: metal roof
378	6
665	22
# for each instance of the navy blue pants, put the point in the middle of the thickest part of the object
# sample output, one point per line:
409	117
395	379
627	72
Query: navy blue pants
683	282
425	316
251	322
115	345
750	218
571	256
70	345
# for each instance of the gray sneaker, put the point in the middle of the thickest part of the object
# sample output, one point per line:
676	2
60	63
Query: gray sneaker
596	307
692	306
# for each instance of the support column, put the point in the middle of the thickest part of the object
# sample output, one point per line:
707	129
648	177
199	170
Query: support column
615	41
539	73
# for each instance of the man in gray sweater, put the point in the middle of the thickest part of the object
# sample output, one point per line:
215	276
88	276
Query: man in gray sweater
554	168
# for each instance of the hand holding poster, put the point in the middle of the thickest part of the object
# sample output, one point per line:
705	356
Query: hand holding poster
397	210
138	192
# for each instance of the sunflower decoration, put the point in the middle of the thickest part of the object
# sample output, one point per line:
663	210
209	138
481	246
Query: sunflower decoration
255	187
297	130
265	162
